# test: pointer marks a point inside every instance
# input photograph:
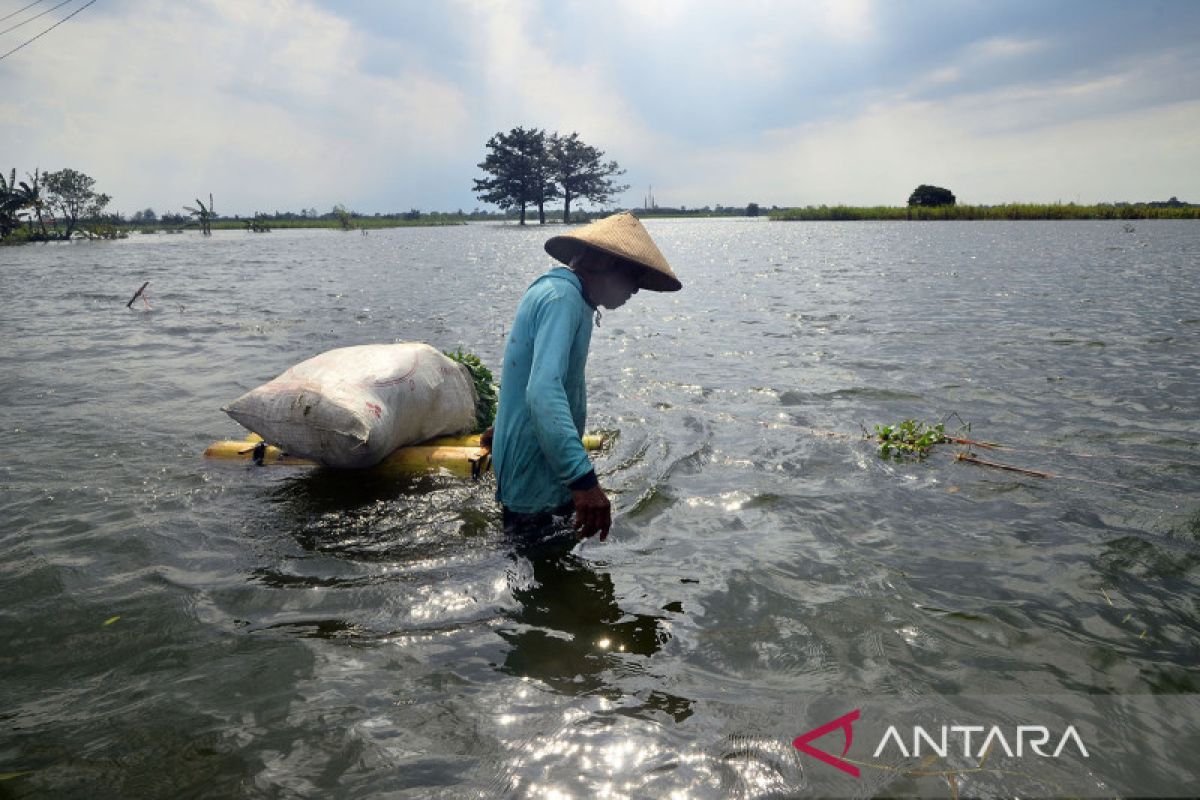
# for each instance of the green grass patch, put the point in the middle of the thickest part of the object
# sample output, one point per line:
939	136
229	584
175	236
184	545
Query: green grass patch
1009	211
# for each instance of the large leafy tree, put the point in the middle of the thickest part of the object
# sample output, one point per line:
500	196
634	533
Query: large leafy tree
517	171
544	187
581	173
926	195
70	193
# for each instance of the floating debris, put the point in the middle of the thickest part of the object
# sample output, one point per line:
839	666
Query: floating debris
972	459
139	293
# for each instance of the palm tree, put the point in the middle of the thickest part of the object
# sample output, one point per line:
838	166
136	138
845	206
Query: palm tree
204	215
32	192
11	203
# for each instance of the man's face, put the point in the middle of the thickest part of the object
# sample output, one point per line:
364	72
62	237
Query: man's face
612	281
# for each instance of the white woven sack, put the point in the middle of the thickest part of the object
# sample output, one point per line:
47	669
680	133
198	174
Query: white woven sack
353	406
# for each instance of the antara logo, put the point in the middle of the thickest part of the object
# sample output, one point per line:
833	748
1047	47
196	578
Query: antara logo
846	723
1033	737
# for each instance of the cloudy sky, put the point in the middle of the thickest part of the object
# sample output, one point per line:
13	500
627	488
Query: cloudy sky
385	106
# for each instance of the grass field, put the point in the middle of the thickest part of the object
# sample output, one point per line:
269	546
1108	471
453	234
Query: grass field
1018	211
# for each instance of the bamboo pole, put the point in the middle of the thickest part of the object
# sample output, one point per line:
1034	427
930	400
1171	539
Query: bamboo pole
459	455
970	459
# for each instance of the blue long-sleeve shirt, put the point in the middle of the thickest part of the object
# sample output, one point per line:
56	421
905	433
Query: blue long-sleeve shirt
536	451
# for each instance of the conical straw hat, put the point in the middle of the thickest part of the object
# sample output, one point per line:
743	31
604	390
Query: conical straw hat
623	236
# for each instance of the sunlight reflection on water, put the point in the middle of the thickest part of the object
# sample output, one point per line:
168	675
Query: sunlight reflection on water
287	630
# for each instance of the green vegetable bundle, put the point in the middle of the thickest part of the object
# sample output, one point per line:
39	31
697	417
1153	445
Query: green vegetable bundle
485	388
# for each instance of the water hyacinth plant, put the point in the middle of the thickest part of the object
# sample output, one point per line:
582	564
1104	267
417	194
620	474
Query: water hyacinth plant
909	439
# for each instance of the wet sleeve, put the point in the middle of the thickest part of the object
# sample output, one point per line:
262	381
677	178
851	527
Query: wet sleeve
546	393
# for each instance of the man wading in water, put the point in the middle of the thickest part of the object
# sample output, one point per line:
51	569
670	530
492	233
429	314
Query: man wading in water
542	471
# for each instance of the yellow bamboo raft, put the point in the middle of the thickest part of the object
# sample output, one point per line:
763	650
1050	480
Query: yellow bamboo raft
456	455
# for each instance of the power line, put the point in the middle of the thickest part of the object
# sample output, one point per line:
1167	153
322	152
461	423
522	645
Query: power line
35	16
19	10
52	27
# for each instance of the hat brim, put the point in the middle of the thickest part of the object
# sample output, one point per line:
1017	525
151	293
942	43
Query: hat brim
565	248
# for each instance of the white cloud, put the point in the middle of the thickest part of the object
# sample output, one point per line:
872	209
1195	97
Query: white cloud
849	20
842	19
944	75
270	104
263	104
1002	47
878	157
527	85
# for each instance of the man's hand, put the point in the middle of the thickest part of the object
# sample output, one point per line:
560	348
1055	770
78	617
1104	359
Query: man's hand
593	514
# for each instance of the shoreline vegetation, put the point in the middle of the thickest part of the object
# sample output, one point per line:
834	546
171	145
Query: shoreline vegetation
116	226
1008	211
63	205
113	227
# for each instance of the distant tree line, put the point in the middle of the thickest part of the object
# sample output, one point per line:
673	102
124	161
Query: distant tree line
528	167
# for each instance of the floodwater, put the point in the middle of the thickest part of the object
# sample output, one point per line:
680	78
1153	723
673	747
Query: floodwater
174	627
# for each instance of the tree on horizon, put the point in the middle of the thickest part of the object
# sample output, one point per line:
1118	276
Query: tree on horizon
580	173
526	167
926	195
70	192
516	164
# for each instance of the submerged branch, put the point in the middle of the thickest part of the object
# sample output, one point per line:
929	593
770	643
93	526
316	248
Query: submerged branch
981	462
138	294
